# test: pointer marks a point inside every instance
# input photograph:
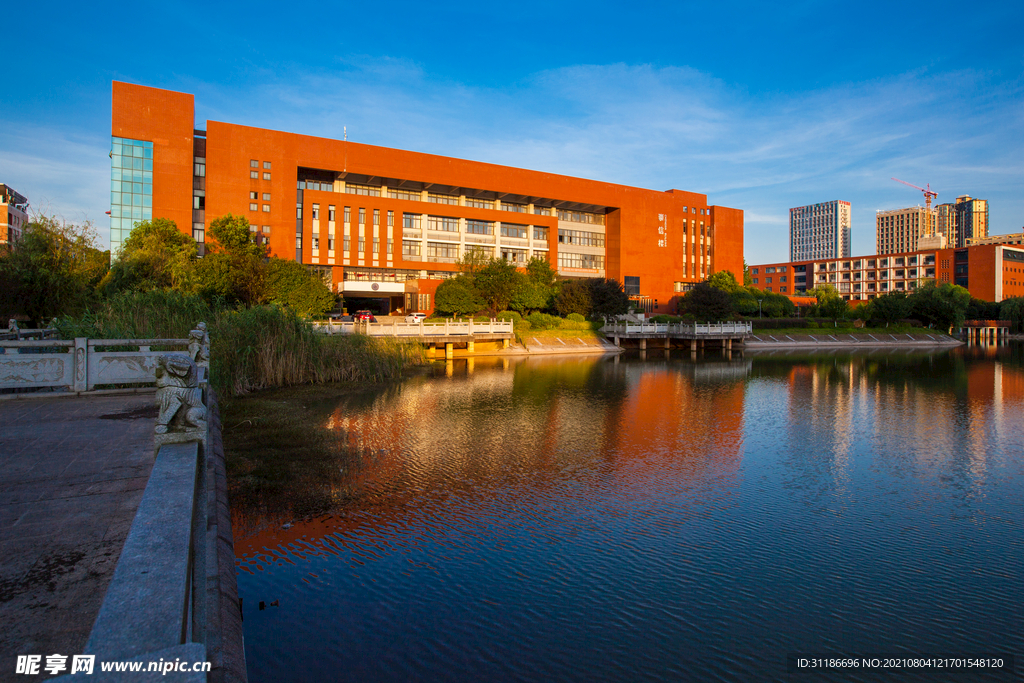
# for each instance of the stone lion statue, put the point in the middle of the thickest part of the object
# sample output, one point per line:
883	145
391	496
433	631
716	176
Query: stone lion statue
179	394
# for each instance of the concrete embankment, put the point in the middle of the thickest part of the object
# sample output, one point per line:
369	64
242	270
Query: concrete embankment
764	340
536	346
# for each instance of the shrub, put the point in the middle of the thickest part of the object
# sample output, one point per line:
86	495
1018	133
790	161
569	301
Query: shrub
575	317
779	323
543	321
514	316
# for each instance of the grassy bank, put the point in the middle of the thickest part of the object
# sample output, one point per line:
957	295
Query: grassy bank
251	349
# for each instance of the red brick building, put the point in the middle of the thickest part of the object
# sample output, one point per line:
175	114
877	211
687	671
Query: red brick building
390	225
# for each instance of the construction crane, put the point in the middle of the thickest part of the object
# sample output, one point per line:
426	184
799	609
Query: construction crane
928	194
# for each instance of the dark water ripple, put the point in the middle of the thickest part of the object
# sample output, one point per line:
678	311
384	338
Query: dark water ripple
663	521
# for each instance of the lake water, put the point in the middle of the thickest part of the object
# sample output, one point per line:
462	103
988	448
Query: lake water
647	519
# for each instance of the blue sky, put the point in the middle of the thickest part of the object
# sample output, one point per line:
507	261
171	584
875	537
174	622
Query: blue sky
761	106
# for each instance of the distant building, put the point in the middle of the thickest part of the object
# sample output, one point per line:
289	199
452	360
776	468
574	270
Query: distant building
991	272
898	231
819	231
1011	238
966	218
13	215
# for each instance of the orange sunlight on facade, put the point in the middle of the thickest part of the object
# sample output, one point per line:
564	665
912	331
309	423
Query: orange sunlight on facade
991	272
391	225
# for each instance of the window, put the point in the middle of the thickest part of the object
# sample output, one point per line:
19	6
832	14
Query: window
348	214
479	203
376	216
198	232
365	190
479	227
410	248
439	251
410	221
442	199
330	212
330	243
581	217
410	195
362	217
254	207
362	245
376	245
514	255
755	280
391	219
345	243
255	175
581	238
540	233
253	163
266	229
631	285
542	210
391	246
199	202
266	196
254	195
316	243
266	208
266	176
266	165
443	223
517	231
517	208
583	261
316	212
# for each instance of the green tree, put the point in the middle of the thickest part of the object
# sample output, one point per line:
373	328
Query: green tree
830	303
156	255
234	263
607	297
725	281
53	270
537	290
747	280
744	301
457	296
497	283
292	284
706	302
1013	310
890	307
941	306
574	297
777	305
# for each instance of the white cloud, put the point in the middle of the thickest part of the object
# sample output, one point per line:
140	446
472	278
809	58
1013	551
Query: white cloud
639	125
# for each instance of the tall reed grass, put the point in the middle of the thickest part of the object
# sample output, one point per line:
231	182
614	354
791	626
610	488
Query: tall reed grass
251	349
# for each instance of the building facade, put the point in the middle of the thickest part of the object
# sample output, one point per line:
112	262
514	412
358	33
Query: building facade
391	225
991	272
964	219
898	231
819	231
1010	238
13	215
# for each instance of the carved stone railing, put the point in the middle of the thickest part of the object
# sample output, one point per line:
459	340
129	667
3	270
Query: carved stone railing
82	364
173	595
689	329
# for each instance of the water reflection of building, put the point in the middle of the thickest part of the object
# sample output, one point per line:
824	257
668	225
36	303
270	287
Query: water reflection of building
544	432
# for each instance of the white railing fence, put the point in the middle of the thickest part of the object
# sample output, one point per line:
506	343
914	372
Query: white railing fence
420	329
709	328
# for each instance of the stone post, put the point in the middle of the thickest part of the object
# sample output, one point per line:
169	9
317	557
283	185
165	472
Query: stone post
182	417
81	364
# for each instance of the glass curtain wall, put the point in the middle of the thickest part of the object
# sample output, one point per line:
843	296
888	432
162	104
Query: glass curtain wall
131	187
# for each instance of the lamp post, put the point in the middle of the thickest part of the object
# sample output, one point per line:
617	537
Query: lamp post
759	308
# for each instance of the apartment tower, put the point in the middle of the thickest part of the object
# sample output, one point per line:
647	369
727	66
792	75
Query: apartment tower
898	231
964	219
819	231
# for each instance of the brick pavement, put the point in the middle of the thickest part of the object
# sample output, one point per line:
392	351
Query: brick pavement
72	473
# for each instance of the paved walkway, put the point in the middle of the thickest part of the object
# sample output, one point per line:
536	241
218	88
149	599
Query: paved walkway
72	473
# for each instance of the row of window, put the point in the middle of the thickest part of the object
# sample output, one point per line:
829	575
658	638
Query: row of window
581	238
